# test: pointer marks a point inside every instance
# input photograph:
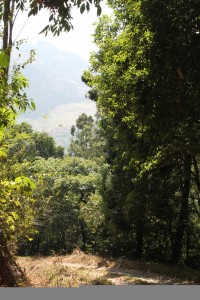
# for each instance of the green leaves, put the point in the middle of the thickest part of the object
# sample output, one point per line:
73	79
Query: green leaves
22	184
4	59
33	106
46	28
61	185
3	155
99	10
12	91
82	8
60	13
33	11
92	212
25	185
15	204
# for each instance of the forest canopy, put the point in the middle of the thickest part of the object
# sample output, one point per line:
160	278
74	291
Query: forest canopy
146	81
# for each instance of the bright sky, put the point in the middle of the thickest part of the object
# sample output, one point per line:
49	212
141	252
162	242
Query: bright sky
78	41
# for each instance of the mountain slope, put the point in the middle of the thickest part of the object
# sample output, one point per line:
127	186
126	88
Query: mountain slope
56	87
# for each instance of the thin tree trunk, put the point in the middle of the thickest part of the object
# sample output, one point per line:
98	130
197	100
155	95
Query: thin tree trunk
84	235
188	245
140	229
62	234
139	238
8	14
196	176
183	216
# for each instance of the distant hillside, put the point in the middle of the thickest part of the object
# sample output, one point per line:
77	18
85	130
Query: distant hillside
56	87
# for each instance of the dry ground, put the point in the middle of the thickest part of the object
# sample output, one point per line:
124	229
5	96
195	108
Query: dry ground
82	269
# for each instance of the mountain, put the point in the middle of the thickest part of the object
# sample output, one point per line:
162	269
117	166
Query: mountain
56	86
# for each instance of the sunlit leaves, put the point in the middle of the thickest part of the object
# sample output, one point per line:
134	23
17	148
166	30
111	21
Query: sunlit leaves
24	185
92	212
16	205
12	89
4	60
33	105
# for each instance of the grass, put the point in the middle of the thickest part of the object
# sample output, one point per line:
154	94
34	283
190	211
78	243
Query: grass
84	269
50	272
101	281
60	276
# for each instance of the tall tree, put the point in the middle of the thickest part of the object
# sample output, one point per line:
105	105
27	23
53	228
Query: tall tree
147	82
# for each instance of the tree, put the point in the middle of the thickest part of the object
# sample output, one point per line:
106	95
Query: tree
146	79
23	145
46	147
86	141
63	185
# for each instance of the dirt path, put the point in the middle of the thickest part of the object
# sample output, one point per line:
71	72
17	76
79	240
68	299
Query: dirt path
120	276
82	269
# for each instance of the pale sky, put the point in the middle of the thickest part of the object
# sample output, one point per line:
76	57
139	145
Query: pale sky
78	41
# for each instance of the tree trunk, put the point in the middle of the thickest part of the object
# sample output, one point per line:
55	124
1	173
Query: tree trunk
139	239
62	234
9	7
140	229
10	273
196	176
183	216
84	235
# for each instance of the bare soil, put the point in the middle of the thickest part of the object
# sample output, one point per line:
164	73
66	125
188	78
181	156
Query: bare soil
83	269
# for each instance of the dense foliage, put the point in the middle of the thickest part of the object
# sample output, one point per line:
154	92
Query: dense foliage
146	80
65	196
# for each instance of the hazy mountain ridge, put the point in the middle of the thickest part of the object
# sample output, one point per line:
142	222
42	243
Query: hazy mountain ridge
56	87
